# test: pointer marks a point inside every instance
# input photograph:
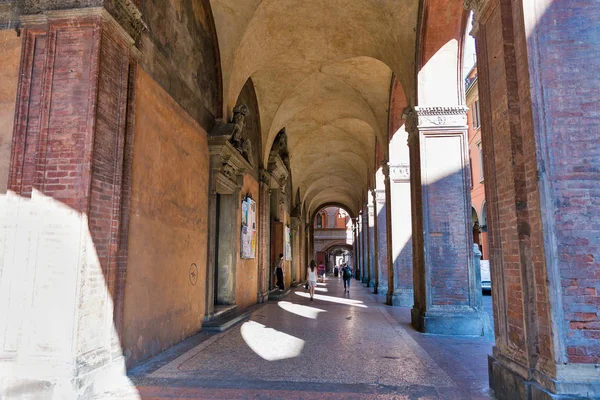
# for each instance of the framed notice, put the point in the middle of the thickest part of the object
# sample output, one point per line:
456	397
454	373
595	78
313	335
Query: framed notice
287	243
249	232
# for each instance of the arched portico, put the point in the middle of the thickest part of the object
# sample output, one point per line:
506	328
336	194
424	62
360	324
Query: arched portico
155	127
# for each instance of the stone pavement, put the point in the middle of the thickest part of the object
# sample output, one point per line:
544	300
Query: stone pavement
339	346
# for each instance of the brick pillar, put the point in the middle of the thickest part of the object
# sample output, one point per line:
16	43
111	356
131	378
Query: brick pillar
70	170
311	241
381	243
402	232
365	272
446	300
375	243
368	215
295	228
355	241
359	257
389	297
264	237
539	102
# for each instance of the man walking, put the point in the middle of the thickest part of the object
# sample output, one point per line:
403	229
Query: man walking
346	276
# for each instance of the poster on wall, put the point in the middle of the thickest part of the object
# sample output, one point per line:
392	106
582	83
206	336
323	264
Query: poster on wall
249	233
287	246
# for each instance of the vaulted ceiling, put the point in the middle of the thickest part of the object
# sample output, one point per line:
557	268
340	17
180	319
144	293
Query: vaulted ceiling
321	69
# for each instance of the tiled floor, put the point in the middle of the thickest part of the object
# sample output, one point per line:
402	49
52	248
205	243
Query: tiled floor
339	346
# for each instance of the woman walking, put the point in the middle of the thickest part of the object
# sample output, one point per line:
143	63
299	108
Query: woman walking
311	278
279	272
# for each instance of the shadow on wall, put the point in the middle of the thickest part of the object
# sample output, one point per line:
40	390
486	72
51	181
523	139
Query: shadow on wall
446	229
56	311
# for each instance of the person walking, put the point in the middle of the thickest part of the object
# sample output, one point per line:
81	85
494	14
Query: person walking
321	271
346	276
311	278
279	272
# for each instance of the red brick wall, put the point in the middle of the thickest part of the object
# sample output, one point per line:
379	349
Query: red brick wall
521	308
565	52
68	144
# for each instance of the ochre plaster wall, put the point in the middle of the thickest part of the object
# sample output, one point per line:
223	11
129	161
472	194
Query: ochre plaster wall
10	59
168	225
246	283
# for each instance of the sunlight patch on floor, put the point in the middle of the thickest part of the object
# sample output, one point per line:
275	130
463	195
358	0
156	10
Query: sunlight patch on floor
339	300
303	311
270	344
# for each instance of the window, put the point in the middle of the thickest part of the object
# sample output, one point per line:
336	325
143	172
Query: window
471	171
480	161
319	221
476	115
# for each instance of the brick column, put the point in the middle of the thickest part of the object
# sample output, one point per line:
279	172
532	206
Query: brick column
446	300
70	168
295	228
381	243
264	237
368	215
402	232
355	242
358	244
375	243
367	258
541	167
388	232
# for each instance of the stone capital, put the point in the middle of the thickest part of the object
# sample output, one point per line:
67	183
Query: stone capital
479	7
411	125
294	224
442	118
265	177
380	196
385	168
400	173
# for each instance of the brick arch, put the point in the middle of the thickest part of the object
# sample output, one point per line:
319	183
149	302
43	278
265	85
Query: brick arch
331	204
441	29
338	243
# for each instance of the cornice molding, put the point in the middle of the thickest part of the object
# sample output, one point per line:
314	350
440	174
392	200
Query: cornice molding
227	161
435	118
400	173
120	14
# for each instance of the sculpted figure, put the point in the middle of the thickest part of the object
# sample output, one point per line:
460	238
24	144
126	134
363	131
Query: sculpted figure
247	151
280	147
239	116
234	128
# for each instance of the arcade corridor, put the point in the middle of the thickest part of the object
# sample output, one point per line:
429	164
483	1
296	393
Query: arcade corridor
165	163
336	347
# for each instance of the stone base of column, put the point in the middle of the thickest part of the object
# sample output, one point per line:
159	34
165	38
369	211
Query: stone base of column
371	283
450	322
382	288
262	297
101	382
509	385
403	298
